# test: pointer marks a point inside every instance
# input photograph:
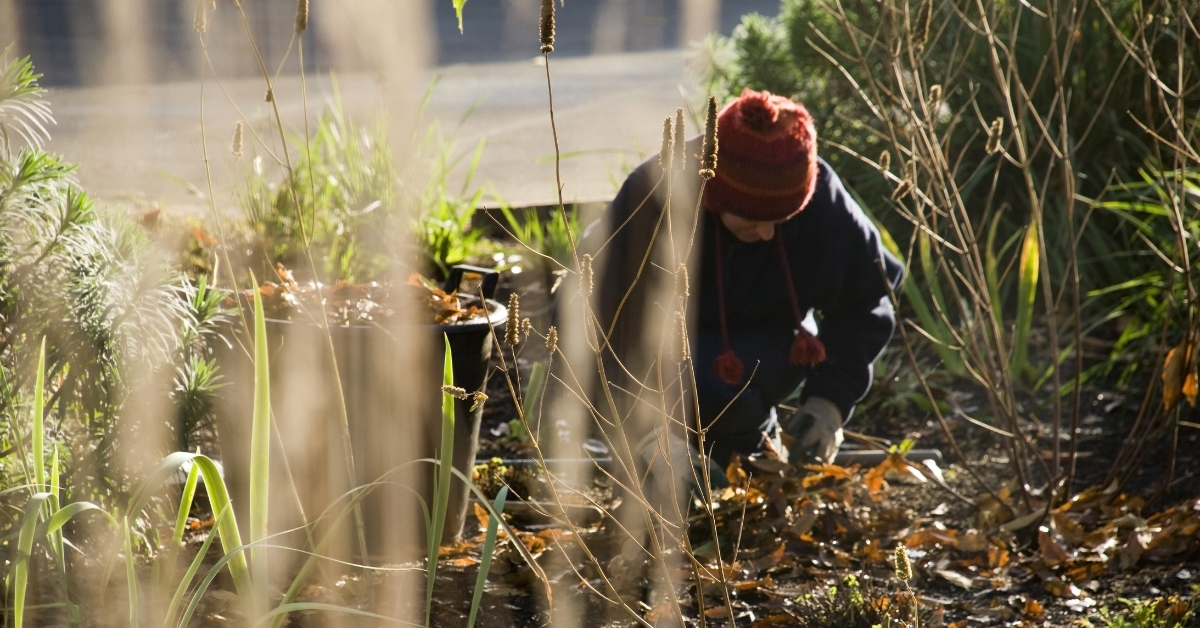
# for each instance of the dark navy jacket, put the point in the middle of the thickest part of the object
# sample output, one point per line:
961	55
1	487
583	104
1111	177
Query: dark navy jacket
832	248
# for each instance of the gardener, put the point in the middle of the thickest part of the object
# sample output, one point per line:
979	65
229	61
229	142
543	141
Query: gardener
790	288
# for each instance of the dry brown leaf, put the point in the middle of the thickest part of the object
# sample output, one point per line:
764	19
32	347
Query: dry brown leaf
1052	552
1174	371
481	514
661	611
717	612
465	561
735	474
955	578
775	620
997	557
1033	610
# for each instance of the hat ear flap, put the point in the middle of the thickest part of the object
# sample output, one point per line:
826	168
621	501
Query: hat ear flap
728	367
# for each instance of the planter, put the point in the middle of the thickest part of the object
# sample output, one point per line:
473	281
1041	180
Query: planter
389	378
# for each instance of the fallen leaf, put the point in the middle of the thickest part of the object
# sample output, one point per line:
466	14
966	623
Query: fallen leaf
1174	371
1033	610
775	620
717	611
997	557
1052	552
481	514
736	474
955	578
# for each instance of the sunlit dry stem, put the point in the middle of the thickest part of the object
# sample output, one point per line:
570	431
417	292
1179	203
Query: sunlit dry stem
708	152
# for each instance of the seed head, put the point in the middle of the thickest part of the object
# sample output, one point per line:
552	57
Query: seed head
885	160
668	145
200	20
685	351
552	340
237	140
270	97
301	16
585	274
708	152
456	392
680	147
994	133
526	327
920	32
512	327
903	565
681	281
935	98
546	26
902	190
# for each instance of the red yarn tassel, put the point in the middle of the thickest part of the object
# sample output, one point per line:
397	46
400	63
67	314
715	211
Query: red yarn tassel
728	367
807	350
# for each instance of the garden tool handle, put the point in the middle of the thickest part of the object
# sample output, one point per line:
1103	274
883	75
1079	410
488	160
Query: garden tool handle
489	279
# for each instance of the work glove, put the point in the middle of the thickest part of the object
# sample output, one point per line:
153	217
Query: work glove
817	432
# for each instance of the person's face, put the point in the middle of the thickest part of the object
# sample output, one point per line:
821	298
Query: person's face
748	230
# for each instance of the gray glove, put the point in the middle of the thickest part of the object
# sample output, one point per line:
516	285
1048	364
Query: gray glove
817	430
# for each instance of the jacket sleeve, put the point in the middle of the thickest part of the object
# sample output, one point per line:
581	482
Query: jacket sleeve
619	242
858	320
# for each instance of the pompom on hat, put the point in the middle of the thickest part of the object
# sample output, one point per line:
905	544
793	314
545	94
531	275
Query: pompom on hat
768	165
767	172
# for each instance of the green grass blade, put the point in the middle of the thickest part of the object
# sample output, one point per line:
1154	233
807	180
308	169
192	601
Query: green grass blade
190	574
1027	281
166	564
912	294
533	397
39	428
992	274
131	578
458	11
20	572
441	486
185	505
260	449
485	555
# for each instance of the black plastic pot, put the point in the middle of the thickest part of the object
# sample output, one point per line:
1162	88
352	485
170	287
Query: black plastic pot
392	405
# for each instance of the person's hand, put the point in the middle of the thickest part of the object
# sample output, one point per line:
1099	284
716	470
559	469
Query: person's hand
817	430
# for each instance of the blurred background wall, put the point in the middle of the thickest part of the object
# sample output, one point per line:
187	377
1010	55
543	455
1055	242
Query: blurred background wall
71	39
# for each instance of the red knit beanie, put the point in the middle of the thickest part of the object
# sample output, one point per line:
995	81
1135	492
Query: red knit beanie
768	162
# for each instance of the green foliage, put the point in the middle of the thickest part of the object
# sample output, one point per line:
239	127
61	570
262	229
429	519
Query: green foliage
340	203
840	67
1168	612
1151	286
90	283
444	220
